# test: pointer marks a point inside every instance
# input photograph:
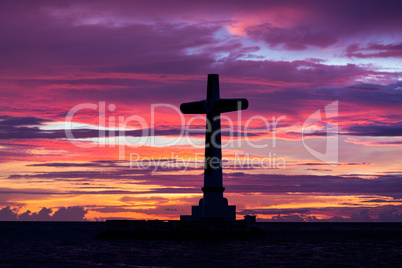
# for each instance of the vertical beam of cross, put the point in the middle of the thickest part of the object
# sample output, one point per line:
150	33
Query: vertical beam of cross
213	148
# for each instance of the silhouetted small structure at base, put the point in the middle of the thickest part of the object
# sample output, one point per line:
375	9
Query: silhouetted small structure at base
174	229
213	217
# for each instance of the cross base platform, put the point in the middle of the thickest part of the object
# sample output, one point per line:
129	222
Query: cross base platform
174	229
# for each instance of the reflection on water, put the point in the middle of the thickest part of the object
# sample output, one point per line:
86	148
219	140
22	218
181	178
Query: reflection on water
40	244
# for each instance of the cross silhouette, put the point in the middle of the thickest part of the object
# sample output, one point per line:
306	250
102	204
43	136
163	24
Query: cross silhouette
213	205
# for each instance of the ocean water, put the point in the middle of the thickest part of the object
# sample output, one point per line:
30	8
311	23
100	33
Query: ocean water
63	244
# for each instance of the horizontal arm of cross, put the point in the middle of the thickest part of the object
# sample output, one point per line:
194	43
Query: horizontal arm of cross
214	106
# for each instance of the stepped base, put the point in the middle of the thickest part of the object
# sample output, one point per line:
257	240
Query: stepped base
217	209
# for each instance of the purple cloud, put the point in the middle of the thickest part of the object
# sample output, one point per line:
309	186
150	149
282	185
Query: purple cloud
290	39
376	130
69	214
62	214
8	214
374	51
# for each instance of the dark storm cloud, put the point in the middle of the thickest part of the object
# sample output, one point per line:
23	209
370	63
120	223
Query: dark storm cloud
362	86
20	121
394	130
382	201
374	51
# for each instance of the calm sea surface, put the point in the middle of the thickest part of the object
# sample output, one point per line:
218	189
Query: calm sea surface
60	244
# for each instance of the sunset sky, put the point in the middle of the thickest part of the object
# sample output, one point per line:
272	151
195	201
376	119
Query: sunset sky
328	69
